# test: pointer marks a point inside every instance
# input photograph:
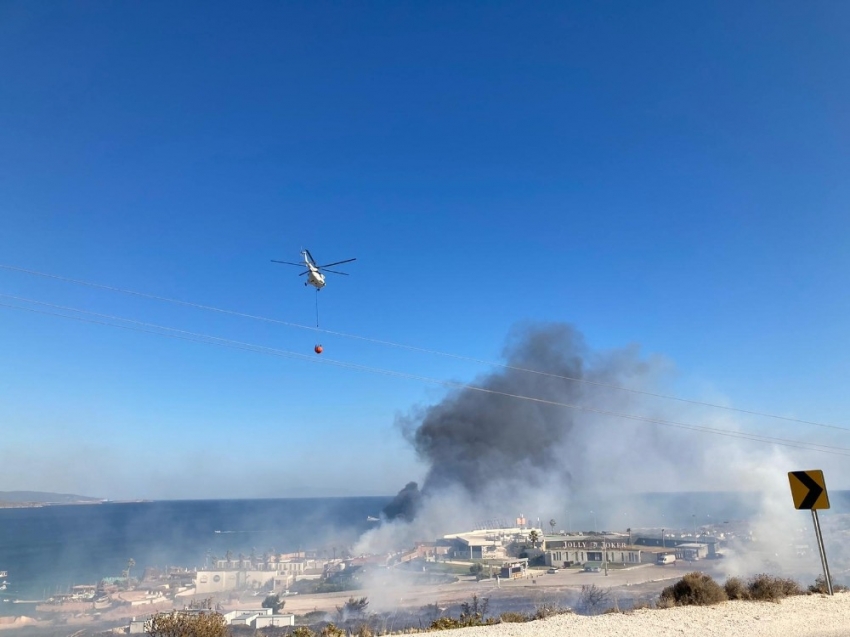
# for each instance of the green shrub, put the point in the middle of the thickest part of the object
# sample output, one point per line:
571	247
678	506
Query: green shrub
736	589
694	589
771	589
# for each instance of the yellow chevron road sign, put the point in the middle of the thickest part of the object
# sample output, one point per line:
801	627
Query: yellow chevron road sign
808	489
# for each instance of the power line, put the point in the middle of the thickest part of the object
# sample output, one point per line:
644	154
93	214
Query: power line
160	330
415	348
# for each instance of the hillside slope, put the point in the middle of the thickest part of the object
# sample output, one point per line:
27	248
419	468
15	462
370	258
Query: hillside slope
803	616
44	497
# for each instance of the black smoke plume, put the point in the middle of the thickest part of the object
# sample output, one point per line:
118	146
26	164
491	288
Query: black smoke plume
405	504
473	438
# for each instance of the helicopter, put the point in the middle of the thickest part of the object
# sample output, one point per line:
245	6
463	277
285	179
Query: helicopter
314	272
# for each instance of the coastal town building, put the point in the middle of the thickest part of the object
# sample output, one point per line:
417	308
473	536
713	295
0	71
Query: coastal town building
207	582
685	547
514	569
254	617
273	572
489	544
566	550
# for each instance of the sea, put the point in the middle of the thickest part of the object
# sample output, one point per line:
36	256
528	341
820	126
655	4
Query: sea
45	550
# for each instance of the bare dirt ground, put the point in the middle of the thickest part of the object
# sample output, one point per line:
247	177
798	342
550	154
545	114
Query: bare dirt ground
504	594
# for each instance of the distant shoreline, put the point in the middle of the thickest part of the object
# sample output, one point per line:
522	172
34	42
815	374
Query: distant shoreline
38	505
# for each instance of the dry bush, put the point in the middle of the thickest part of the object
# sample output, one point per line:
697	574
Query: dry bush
445	623
364	630
477	607
472	613
332	630
302	631
694	589
771	589
592	600
177	624
548	609
514	618
665	602
641	604
736	589
820	586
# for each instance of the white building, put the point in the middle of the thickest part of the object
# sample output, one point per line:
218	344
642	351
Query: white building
563	550
264	621
220	581
258	618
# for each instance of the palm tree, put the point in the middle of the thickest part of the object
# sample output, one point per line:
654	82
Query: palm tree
130	564
533	537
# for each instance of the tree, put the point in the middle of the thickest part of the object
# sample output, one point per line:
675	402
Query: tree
130	564
177	624
477	569
534	537
275	603
352	608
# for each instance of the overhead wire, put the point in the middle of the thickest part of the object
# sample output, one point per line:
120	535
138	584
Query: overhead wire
160	330
415	348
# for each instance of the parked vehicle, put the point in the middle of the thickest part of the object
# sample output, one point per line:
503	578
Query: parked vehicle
666	558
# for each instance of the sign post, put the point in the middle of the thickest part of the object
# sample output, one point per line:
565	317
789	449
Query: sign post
808	489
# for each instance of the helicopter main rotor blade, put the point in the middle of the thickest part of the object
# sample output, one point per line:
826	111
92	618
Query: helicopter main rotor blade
300	265
337	263
312	260
303	273
333	272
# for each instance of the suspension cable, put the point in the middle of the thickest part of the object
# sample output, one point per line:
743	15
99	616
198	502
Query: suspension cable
415	348
159	330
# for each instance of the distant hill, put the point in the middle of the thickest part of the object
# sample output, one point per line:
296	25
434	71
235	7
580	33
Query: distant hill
43	497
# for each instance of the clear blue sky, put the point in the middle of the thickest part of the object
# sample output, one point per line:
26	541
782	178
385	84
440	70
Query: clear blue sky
661	173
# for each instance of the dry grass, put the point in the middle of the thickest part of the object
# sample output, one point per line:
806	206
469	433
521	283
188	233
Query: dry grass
514	618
